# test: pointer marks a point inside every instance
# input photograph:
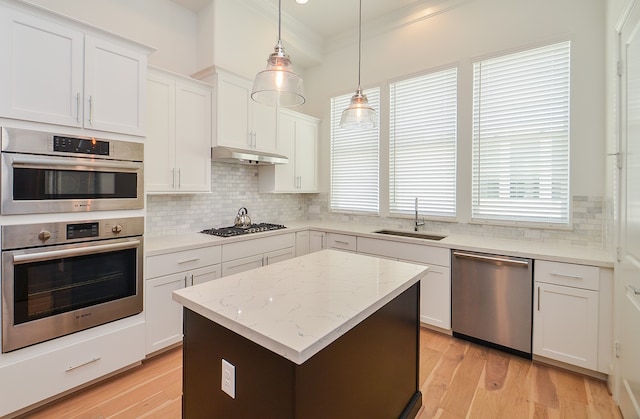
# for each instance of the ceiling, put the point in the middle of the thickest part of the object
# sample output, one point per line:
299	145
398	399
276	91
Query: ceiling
328	18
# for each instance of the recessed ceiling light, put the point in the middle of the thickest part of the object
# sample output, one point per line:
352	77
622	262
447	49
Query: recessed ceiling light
302	1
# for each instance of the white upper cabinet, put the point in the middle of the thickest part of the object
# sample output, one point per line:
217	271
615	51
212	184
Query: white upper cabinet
298	140
239	121
114	89
178	145
55	72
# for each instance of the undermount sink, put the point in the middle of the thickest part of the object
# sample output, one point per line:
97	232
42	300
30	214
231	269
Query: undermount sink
414	234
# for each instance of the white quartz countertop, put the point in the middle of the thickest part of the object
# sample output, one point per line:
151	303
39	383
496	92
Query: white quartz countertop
507	247
297	307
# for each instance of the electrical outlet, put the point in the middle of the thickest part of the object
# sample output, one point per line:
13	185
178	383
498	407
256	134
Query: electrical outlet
229	378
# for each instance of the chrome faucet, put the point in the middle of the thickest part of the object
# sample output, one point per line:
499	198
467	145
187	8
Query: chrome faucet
417	223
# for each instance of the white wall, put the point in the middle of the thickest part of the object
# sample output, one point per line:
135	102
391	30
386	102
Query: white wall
477	29
162	24
237	37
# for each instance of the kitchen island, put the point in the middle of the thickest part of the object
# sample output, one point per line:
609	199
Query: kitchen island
329	334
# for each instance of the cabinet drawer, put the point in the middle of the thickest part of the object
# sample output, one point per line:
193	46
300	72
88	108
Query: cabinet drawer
169	263
405	251
567	274
257	246
37	378
342	242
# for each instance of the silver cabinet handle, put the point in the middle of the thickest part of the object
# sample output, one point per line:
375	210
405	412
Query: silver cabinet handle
91	361
538	298
342	242
91	110
188	260
185	281
491	258
78	107
566	275
173	178
179	178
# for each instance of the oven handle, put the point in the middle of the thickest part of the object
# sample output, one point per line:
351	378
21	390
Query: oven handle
48	163
81	251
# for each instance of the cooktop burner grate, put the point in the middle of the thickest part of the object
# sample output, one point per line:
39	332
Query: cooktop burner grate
237	231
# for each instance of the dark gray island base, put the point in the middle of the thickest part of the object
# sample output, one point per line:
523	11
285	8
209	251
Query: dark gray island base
369	372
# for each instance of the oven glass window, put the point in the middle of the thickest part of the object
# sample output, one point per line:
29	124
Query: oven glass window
42	184
47	288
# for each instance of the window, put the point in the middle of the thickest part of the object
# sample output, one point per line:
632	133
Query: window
354	160
422	144
521	137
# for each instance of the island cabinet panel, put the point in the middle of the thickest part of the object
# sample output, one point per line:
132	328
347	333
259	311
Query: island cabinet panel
371	371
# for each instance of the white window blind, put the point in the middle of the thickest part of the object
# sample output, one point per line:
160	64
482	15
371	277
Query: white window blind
422	144
521	136
354	160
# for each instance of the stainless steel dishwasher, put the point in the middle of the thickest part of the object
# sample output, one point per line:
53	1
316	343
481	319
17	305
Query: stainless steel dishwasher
491	300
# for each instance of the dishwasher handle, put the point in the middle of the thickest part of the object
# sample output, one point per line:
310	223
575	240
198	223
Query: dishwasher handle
487	258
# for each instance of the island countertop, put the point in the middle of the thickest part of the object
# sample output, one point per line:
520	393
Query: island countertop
297	307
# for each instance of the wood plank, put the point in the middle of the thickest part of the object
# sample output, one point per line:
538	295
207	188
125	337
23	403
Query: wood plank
460	394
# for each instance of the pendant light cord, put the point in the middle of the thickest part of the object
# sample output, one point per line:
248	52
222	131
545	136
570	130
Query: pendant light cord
359	41
280	19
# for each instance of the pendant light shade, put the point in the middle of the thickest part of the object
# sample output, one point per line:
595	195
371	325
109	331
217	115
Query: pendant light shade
359	115
278	85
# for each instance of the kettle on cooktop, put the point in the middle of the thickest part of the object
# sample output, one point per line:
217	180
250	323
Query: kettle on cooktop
242	219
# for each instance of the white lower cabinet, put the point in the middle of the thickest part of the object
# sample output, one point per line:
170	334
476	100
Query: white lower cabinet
344	242
250	254
165	274
435	297
435	288
302	243
317	240
569	318
39	372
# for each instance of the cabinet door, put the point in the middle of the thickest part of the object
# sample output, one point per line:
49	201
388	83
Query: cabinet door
232	111
159	150
306	147
263	126
302	243
316	241
115	88
193	137
435	297
42	70
565	324
279	255
163	315
208	273
285	179
241	265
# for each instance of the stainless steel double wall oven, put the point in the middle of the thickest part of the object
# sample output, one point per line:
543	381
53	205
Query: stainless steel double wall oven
65	276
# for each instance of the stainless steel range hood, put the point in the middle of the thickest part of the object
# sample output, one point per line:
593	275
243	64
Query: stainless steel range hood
237	155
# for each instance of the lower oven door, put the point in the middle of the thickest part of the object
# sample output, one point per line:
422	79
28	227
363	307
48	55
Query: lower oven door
49	292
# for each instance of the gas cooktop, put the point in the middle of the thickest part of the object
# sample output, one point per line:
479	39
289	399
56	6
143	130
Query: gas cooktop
237	231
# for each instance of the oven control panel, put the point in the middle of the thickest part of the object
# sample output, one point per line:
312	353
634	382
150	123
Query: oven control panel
34	235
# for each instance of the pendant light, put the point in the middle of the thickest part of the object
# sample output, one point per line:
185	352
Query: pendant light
359	115
278	85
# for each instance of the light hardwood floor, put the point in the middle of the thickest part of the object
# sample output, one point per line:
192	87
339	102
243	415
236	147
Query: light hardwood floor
459	380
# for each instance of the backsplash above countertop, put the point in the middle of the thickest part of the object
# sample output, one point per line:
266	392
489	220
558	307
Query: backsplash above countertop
235	186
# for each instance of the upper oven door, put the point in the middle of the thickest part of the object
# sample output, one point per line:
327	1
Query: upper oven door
33	184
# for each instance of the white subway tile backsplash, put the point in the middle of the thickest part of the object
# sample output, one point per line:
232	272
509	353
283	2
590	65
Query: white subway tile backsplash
235	186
